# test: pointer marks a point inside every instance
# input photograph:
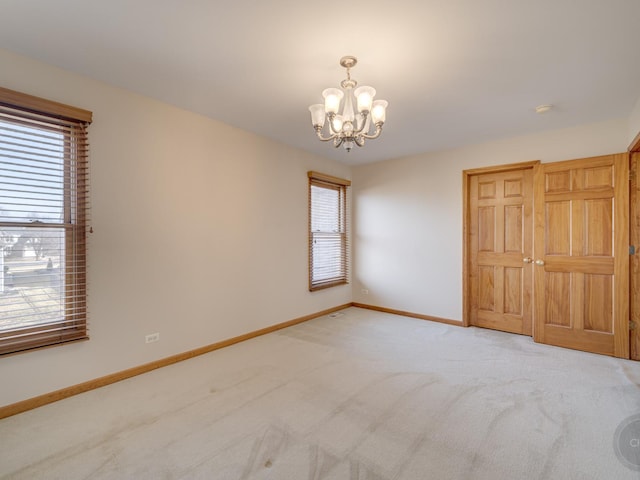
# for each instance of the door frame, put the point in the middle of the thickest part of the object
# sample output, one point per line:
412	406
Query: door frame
466	222
634	239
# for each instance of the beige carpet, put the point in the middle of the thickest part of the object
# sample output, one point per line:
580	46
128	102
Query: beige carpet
361	396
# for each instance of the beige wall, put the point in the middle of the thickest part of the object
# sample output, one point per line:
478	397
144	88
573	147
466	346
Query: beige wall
199	233
408	215
191	216
634	123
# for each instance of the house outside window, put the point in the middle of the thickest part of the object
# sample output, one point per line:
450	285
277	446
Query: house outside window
328	235
43	222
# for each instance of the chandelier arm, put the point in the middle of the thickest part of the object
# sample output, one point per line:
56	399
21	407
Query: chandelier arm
364	123
359	140
330	117
324	139
337	141
376	134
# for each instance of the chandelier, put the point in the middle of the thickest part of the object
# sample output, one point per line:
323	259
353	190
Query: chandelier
347	127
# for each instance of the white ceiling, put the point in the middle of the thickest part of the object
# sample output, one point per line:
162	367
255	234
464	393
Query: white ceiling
454	71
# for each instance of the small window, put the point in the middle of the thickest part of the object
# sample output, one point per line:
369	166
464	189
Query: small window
43	221
328	238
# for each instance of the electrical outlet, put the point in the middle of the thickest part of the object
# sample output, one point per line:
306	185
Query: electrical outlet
365	291
152	337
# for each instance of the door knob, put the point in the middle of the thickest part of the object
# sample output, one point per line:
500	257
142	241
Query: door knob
539	262
527	260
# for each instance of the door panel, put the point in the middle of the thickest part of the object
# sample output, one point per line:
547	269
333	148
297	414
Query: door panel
557	218
581	268
557	309
598	308
513	291
500	237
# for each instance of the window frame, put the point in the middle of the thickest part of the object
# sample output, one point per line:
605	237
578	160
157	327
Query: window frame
72	123
340	185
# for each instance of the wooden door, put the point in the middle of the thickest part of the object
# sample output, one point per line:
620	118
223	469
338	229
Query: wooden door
581	282
500	238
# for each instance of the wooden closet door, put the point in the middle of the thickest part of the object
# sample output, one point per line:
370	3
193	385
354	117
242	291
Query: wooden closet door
581	254
500	238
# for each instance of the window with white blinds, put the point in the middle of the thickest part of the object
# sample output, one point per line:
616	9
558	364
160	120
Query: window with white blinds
43	222
328	236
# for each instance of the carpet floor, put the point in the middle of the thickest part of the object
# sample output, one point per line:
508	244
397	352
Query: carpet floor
359	396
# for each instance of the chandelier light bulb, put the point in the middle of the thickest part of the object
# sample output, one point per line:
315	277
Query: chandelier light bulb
379	111
317	114
332	97
346	127
336	124
365	98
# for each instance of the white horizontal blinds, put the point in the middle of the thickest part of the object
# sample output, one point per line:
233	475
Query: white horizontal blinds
43	219
328	236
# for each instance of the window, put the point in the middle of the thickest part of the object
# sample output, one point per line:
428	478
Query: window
328	239
43	221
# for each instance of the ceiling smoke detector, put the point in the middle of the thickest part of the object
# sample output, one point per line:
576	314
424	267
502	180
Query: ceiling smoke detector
543	108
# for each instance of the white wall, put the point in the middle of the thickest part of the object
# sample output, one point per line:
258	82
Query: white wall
200	233
634	123
408	215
